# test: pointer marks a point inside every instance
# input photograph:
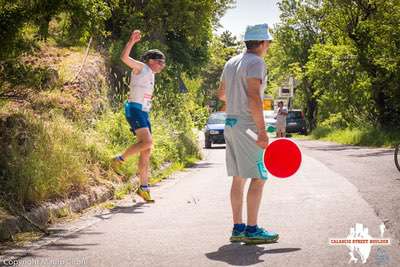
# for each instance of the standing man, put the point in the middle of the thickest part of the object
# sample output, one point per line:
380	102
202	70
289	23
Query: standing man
281	120
137	109
242	88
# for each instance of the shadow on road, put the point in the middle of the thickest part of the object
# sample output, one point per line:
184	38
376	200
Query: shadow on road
68	246
65	238
134	209
62	241
358	149
216	147
58	233
374	154
243	255
334	147
204	165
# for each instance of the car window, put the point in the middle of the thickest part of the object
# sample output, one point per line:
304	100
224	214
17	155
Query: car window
216	118
294	115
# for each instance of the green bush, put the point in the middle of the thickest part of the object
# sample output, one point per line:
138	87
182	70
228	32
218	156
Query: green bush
48	155
40	160
15	73
335	121
112	135
321	132
367	136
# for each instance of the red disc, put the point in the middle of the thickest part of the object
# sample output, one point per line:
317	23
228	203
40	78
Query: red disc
282	158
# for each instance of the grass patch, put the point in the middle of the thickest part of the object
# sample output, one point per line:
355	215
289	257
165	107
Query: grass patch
55	158
123	191
61	214
64	212
62	103
107	205
358	136
3	213
21	239
40	160
17	78
158	177
321	132
190	161
298	136
60	139
70	64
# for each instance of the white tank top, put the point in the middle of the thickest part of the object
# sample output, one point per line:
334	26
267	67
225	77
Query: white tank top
141	88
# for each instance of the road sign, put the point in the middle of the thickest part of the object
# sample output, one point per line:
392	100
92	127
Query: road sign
268	104
285	92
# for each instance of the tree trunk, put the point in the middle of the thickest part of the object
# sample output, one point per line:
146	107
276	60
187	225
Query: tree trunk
311	109
311	113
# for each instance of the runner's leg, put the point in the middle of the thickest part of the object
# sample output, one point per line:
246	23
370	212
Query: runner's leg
144	142
144	162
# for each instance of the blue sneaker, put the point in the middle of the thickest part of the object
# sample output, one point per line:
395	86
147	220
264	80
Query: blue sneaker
260	236
237	236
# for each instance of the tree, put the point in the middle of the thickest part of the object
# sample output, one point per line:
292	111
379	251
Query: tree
297	33
343	100
228	40
222	48
86	18
341	51
181	29
372	28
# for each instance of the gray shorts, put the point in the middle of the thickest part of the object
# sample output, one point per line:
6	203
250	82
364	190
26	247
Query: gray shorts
243	157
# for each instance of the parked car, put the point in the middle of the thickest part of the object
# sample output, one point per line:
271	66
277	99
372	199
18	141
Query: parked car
270	120
214	129
295	122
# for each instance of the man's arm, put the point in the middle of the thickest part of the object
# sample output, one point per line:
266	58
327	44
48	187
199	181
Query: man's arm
221	91
256	109
283	111
135	65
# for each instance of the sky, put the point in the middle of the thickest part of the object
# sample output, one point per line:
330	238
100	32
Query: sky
249	12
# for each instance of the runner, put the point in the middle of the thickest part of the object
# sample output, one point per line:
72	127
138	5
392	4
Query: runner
242	87
137	108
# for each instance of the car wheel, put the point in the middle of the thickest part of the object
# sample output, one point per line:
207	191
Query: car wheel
208	143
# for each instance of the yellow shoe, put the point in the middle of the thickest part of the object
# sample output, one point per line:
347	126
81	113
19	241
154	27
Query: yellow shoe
116	165
145	195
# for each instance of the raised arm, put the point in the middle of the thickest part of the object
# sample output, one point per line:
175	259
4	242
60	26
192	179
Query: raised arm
134	64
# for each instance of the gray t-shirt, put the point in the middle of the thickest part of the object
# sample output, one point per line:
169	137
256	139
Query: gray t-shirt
235	73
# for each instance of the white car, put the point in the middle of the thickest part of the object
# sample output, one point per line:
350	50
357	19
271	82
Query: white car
269	118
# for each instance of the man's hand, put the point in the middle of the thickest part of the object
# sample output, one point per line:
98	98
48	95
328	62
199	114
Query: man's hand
136	35
262	140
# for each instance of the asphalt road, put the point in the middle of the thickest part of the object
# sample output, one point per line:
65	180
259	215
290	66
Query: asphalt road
190	223
371	170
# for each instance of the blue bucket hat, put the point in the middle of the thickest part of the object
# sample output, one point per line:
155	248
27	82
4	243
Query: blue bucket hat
257	32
